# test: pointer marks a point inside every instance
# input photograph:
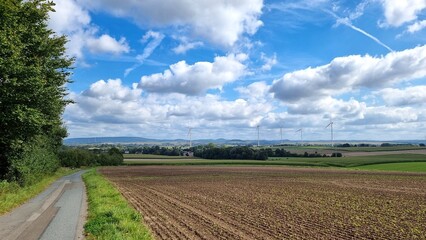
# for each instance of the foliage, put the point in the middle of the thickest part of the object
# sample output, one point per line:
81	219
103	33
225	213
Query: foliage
336	154
156	150
36	160
213	152
13	195
109	214
75	157
33	74
244	152
151	156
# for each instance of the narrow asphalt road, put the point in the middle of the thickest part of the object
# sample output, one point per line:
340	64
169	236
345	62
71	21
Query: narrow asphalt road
57	213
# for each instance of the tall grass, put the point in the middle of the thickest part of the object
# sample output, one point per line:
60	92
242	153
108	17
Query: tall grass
13	194
109	215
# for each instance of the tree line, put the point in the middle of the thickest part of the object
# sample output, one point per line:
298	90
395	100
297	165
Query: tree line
34	71
241	152
245	152
78	157
156	150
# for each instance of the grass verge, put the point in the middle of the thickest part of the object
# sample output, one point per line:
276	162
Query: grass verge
13	195
404	167
109	214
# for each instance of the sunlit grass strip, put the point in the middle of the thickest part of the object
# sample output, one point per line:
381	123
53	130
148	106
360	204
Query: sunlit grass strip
404	167
12	195
109	214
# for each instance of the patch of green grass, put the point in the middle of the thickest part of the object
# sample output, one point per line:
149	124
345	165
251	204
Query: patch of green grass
321	148
13	195
380	159
151	156
109	214
404	167
358	160
343	162
378	149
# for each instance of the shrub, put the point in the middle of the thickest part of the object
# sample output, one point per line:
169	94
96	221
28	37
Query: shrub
75	157
36	160
337	154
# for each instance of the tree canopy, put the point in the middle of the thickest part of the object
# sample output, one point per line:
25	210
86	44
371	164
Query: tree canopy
33	73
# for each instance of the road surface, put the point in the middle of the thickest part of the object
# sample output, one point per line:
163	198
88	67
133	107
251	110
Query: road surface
57	213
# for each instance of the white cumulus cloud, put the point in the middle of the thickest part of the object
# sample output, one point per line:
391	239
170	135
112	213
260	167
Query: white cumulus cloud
109	108
112	89
269	62
258	91
71	19
417	26
398	12
219	22
197	78
386	115
349	73
404	97
107	44
329	106
183	47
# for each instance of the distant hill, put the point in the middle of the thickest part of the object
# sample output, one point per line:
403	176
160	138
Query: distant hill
148	141
220	141
98	140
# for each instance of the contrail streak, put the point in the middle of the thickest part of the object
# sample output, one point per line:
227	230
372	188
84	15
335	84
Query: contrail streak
149	49
348	23
368	35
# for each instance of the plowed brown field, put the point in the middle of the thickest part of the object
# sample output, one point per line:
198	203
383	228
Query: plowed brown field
274	202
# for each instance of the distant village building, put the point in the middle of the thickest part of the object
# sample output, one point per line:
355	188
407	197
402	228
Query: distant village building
188	153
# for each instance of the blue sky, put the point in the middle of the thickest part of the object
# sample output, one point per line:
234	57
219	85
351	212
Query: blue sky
156	68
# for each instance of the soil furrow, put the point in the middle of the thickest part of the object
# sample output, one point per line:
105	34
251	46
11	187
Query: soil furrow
274	202
215	223
154	211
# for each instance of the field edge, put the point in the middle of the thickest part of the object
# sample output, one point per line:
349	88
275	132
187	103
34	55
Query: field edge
110	216
352	162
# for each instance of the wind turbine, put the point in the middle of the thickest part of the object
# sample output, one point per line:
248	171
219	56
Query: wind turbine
301	135
190	137
331	129
258	134
281	134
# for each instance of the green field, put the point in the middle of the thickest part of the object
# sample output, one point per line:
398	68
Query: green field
320	148
370	162
401	167
378	149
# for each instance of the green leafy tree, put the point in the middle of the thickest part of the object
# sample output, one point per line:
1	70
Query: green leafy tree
33	74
